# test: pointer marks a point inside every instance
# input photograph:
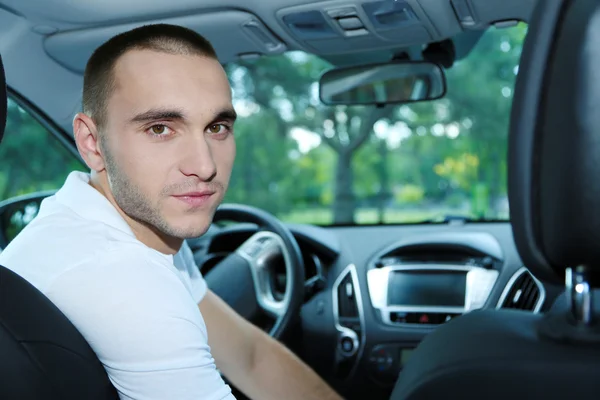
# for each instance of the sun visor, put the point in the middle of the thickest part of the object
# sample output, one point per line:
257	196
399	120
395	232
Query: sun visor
232	33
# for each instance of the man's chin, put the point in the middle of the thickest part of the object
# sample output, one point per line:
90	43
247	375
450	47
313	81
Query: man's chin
194	233
190	228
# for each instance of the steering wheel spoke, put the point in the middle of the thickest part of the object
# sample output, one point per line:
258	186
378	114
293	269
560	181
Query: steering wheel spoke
249	278
262	251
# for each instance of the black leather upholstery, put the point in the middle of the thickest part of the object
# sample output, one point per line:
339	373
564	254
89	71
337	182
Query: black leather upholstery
42	355
554	197
488	355
523	163
554	151
570	221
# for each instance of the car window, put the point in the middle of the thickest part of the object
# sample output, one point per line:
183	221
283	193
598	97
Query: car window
32	161
311	163
31	158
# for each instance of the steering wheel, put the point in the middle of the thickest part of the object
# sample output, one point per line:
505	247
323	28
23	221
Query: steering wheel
244	279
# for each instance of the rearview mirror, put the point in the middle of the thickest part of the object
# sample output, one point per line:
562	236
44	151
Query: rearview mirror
379	84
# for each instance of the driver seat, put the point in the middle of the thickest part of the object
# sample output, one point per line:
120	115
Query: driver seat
42	355
554	196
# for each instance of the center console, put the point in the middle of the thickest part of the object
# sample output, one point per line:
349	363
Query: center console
428	294
413	286
423	291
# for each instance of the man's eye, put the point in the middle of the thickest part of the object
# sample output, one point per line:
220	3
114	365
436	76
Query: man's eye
217	128
159	129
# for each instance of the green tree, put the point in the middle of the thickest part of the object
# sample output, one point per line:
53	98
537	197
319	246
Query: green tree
284	86
278	94
32	159
480	98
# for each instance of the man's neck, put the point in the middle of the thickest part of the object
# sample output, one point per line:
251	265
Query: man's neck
146	234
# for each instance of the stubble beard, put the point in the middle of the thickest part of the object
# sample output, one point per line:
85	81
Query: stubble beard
136	205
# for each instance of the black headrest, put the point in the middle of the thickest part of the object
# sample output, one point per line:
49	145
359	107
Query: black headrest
554	141
3	100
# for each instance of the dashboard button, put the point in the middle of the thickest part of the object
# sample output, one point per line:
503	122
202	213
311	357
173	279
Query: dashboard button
384	363
347	344
424	319
398	317
381	359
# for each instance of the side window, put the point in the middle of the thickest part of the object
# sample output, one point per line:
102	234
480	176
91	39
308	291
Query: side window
32	160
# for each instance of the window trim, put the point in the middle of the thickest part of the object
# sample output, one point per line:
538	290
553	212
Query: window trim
39	116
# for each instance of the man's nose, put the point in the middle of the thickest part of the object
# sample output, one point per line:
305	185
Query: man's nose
198	158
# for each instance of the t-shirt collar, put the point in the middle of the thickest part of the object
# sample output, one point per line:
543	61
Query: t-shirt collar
81	197
85	200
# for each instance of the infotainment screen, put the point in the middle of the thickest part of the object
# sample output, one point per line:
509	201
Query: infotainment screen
445	288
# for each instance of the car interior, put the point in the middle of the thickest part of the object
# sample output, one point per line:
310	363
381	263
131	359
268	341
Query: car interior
461	306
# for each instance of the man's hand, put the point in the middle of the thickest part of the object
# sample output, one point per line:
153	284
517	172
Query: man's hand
255	363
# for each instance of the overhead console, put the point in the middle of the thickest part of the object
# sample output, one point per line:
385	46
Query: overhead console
339	27
430	282
336	27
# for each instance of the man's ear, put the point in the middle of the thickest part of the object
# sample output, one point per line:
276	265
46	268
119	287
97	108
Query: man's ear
86	138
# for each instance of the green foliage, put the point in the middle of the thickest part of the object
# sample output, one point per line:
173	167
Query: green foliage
460	171
410	195
32	159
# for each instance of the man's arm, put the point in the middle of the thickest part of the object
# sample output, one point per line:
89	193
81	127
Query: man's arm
137	316
254	362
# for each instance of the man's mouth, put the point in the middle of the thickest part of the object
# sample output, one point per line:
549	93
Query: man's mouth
195	199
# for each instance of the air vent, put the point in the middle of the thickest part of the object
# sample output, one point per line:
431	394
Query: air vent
523	292
347	306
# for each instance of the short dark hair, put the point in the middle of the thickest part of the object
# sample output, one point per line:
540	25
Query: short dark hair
98	79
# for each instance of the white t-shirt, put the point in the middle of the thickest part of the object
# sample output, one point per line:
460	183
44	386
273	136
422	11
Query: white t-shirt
136	307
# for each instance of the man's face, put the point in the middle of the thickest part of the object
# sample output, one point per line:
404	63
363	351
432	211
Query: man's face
168	140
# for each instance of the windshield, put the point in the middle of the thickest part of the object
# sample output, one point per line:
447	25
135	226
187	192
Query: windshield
310	163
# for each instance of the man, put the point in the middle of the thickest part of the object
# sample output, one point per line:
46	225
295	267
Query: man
157	133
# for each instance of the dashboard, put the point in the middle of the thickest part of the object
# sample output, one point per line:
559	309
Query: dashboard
374	292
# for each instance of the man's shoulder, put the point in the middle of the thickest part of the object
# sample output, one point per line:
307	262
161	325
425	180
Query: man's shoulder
57	241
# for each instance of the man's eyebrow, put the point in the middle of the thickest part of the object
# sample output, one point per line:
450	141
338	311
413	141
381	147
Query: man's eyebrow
227	114
158	114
